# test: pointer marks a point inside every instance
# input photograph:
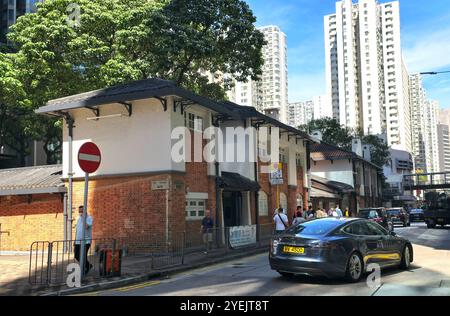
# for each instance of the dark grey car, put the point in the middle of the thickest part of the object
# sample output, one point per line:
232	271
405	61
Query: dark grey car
337	247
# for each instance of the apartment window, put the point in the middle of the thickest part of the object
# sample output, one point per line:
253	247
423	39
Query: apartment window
195	209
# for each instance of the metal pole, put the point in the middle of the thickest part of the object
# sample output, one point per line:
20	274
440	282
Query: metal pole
70	174
83	229
65	223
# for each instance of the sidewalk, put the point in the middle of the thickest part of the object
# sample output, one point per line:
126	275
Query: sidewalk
15	271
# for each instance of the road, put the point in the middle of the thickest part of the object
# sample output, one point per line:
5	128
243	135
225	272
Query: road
252	276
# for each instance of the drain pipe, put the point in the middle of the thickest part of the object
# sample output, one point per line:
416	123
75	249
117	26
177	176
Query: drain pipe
68	236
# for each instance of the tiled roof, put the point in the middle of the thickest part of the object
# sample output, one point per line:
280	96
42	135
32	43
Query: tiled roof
324	151
31	180
135	90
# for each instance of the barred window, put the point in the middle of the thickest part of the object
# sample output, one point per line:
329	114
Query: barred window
195	209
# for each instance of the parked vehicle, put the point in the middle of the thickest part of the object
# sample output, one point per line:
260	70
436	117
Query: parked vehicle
416	215
337	247
399	216
377	215
437	209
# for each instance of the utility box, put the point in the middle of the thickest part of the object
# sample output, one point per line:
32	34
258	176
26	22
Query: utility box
108	266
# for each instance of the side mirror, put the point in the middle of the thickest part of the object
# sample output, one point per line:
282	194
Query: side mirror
393	234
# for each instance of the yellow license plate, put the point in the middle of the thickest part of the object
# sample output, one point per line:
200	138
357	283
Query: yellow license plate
297	250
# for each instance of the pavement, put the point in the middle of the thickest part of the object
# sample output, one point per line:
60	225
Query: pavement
14	279
429	275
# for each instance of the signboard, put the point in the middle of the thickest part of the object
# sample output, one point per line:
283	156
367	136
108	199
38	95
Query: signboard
89	157
240	236
276	174
160	185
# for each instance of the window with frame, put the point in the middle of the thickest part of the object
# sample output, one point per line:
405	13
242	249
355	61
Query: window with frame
193	121
195	209
263	204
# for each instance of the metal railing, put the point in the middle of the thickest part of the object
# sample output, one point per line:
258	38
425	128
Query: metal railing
140	255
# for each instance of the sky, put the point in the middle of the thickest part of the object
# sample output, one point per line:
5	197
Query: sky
425	36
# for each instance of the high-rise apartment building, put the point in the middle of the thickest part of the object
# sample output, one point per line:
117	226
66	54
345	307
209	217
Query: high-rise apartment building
270	94
367	81
10	10
300	113
444	147
321	107
424	115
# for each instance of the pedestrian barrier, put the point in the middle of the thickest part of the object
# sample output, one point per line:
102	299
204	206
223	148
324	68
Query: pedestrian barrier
134	256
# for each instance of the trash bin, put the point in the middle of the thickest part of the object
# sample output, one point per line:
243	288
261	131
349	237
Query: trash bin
107	266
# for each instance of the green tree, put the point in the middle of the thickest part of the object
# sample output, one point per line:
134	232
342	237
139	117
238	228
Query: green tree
18	123
118	41
332	132
341	136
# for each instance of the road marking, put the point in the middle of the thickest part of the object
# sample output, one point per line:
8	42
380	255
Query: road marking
137	286
88	294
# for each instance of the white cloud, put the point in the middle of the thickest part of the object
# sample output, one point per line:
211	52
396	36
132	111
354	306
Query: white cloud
428	51
303	87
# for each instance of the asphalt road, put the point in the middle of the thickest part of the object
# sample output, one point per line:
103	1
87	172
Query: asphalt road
252	276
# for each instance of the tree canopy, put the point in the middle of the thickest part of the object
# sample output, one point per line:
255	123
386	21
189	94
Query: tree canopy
341	136
118	41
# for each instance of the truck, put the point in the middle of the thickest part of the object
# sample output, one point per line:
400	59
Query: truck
437	209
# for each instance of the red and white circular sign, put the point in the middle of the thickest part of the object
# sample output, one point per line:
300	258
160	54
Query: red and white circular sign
89	157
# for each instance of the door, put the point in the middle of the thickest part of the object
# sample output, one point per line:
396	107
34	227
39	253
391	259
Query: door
232	208
372	242
391	245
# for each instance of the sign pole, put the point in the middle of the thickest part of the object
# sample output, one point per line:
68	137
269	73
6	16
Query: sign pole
83	230
278	196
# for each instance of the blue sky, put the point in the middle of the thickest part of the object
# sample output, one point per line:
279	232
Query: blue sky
425	31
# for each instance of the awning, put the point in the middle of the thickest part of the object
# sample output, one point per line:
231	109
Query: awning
318	193
31	180
235	182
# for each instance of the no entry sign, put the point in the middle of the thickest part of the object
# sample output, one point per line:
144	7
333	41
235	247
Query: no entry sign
89	157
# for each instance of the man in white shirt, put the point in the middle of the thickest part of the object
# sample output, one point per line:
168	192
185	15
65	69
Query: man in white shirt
338	212
79	237
281	221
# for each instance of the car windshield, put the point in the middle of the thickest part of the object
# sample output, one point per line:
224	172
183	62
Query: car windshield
315	227
368	214
393	212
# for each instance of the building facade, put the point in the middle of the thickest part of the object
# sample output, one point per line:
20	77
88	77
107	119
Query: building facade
270	94
366	76
425	118
443	140
300	113
10	10
140	190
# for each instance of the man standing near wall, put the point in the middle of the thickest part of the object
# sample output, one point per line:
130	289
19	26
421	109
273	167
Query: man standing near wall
207	226
88	238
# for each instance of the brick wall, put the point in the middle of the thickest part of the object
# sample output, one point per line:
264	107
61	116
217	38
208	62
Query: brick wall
29	220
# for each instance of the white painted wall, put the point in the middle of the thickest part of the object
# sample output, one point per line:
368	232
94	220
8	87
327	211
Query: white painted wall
246	168
140	143
340	170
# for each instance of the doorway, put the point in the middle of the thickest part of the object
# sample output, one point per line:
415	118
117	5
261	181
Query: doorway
232	208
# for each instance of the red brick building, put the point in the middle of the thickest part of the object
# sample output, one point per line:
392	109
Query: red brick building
140	189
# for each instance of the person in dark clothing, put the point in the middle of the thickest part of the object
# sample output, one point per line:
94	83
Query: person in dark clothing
207	227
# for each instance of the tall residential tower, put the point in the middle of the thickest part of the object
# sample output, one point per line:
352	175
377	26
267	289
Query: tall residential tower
270	94
367	80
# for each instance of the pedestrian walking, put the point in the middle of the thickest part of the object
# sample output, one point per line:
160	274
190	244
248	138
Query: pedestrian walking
321	213
298	219
281	221
347	212
339	212
79	237
206	230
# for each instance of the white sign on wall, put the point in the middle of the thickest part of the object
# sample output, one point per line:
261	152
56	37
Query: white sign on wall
242	236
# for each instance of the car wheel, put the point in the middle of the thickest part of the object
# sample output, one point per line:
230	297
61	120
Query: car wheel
406	258
355	268
431	224
286	274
